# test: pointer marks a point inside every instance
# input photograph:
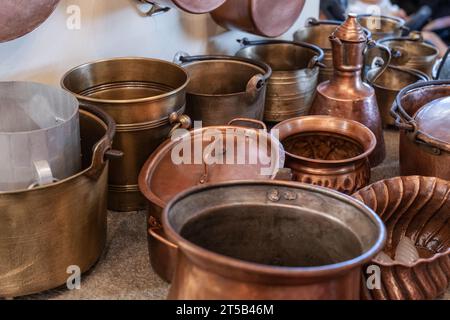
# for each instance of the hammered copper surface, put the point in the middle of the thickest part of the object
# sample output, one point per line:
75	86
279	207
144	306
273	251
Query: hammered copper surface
269	240
295	72
146	97
19	17
262	17
382	26
421	150
327	151
346	95
60	225
418	208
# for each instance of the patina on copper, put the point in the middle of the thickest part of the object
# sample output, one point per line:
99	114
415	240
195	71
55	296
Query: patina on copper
424	131
346	95
327	151
418	208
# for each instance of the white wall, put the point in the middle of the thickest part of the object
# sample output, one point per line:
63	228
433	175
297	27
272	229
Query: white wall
114	28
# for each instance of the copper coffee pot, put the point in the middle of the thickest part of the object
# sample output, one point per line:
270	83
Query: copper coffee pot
346	95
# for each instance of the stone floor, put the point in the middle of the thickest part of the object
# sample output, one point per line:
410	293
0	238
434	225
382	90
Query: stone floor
124	271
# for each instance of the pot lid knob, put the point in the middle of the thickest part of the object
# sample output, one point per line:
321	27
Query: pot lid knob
350	30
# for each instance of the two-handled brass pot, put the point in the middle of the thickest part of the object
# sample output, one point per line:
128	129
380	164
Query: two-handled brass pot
50	230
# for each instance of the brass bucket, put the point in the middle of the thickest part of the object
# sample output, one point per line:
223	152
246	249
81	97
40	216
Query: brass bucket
295	75
46	230
146	97
383	26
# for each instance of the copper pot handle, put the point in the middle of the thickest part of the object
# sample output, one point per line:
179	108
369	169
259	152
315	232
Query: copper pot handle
386	58
254	121
156	226
179	121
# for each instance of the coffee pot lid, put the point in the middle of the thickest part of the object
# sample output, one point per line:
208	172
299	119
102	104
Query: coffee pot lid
350	30
433	119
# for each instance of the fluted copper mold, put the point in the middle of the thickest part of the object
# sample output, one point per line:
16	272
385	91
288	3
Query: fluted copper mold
419	208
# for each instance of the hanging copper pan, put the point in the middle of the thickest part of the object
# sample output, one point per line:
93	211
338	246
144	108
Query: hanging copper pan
198	6
19	17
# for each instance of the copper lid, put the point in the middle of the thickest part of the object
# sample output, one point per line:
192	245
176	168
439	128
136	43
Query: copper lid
433	120
350	30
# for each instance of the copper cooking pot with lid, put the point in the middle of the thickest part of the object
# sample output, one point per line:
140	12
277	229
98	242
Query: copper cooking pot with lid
270	240
422	113
165	175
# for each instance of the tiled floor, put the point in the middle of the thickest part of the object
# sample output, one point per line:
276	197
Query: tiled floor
124	270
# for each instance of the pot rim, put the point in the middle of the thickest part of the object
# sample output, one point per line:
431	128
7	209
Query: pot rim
401	22
417	41
99	150
326	129
152	162
126	101
277	271
417	73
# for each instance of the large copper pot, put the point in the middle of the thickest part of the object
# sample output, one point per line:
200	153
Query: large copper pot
295	73
223	88
422	115
346	95
327	151
270	240
412	52
317	32
46	230
383	26
262	17
161	178
389	84
146	97
418	208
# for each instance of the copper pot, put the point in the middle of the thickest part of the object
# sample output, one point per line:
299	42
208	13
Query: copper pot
423	117
418	208
269	240
262	17
412	52
295	73
161	179
346	95
389	84
223	88
383	26
146	97
328	151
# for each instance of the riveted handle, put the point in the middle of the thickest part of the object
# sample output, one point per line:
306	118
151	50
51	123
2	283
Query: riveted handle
179	121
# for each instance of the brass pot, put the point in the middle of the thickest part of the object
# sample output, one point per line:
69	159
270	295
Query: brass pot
415	207
270	240
223	88
328	152
413	53
317	32
383	26
46	230
423	119
146	97
295	74
389	84
161	179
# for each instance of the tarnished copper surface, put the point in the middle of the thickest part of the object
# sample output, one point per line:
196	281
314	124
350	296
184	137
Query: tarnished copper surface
295	71
19	17
45	230
424	135
262	17
346	95
266	240
327	151
198	6
416	207
146	97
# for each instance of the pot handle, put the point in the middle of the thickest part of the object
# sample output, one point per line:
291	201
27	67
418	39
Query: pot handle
254	121
315	22
155	9
44	175
179	121
371	44
156	226
179	57
416	36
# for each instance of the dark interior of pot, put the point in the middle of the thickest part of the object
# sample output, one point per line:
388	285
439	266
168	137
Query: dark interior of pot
413	100
220	77
322	146
125	79
280	56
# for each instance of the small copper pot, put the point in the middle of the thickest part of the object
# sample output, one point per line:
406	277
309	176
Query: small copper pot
418	208
328	151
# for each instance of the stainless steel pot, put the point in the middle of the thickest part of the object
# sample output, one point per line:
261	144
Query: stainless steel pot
46	230
223	88
383	26
270	240
295	66
39	135
146	97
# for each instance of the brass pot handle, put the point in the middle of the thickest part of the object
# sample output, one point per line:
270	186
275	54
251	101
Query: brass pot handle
179	121
254	86
254	121
386	58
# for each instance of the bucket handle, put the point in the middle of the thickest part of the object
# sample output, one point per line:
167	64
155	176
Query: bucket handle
254	121
386	59
156	226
